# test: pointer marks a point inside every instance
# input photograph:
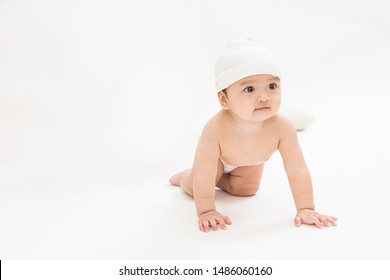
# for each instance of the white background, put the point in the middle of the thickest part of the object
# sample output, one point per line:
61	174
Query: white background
102	101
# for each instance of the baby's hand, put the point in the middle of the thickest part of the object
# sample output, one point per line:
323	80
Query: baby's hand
213	219
311	217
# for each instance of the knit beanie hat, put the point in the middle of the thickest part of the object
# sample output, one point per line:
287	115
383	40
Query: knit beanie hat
240	59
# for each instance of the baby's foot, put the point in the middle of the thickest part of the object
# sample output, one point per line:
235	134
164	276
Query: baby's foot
175	179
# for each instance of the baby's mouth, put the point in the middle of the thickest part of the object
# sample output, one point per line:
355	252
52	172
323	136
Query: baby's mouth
261	108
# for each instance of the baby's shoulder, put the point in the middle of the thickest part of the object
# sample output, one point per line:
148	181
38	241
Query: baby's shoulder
215	126
282	123
217	120
212	125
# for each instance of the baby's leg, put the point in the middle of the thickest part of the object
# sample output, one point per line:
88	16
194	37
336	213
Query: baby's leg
242	181
184	179
176	179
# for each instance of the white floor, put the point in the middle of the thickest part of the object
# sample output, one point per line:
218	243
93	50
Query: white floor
101	104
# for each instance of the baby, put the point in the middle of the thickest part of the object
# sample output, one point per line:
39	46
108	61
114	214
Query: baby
237	141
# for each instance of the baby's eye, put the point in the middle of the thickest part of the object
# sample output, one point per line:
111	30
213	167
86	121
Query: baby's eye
272	86
249	89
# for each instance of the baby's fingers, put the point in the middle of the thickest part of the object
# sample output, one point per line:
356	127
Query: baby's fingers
323	220
298	221
227	220
327	220
317	222
204	225
331	220
331	217
213	223
221	223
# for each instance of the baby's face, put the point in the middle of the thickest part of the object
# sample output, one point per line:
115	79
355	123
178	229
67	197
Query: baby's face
254	98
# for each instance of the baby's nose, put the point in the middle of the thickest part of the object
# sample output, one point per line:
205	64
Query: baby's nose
263	97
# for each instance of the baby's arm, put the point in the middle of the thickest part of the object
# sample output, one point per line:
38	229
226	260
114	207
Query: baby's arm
299	178
204	177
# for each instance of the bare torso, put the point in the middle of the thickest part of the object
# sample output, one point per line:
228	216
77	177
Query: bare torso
242	145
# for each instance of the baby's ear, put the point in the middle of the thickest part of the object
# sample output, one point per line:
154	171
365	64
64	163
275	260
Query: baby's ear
223	100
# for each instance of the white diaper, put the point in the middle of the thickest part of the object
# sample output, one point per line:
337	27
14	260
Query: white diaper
227	168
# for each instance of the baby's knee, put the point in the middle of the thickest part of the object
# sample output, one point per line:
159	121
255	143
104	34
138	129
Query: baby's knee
248	190
188	190
186	183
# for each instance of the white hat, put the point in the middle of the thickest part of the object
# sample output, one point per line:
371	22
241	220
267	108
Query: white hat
240	59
